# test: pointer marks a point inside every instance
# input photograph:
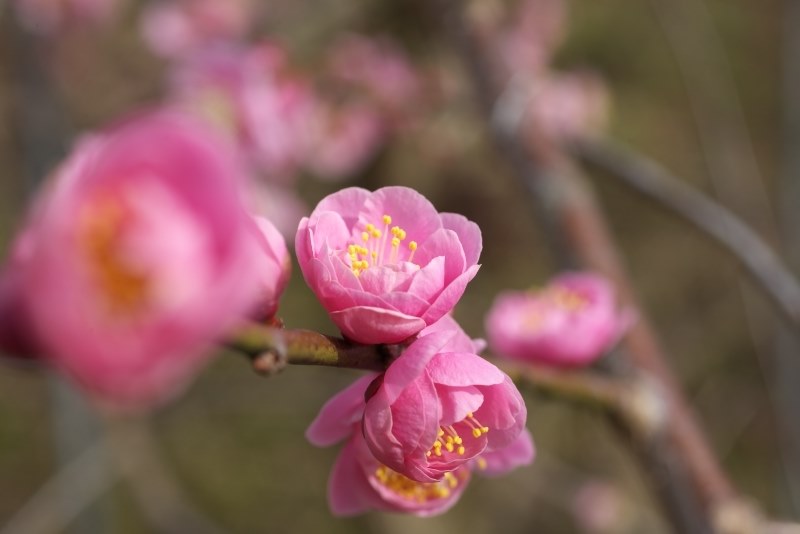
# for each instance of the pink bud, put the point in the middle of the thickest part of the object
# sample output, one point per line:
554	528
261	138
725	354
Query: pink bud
140	256
571	322
386	264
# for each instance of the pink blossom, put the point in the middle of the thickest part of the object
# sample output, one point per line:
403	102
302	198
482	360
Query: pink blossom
378	67
571	322
437	408
386	264
528	44
176	28
140	256
50	16
274	268
359	482
342	140
566	106
249	94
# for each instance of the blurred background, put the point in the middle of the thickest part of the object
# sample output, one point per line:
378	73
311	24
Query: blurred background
696	84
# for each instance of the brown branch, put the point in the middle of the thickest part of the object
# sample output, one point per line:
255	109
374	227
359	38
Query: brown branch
655	183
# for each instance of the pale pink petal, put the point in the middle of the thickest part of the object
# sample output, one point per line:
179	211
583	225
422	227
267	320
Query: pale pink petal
371	325
336	418
468	234
457	402
463	369
448	298
348	489
408	209
516	454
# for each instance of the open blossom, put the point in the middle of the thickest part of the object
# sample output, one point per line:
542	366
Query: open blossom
571	322
137	256
437	408
359	482
385	264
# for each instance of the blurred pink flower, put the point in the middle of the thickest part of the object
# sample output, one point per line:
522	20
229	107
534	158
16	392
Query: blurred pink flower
175	28
571	322
50	16
250	95
436	409
527	45
140	256
379	68
343	140
566	106
274	269
386	264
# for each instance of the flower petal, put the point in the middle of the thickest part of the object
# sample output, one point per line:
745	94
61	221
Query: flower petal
371	325
337	417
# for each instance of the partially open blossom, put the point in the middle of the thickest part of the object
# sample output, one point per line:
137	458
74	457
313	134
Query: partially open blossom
436	409
49	16
386	264
571	322
274	268
359	482
140	255
179	27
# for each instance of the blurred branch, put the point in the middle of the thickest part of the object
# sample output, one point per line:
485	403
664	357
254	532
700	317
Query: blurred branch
682	467
138	461
654	182
63	498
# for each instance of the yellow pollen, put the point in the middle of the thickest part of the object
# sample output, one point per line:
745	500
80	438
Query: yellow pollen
387	219
420	492
476	432
370	227
481	463
440	433
449	446
395	242
412	245
365	236
125	289
461	450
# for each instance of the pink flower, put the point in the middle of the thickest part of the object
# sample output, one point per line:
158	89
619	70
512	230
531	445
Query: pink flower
343	140
176	28
571	322
274	268
140	256
249	94
386	264
378	67
50	16
437	408
568	106
359	482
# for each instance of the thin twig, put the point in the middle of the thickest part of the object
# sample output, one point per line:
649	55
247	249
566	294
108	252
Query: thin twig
655	183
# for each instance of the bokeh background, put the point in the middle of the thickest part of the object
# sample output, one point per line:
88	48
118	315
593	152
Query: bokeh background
234	442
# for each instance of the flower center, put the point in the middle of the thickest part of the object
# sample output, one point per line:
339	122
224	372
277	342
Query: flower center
566	299
124	289
420	492
372	250
448	440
